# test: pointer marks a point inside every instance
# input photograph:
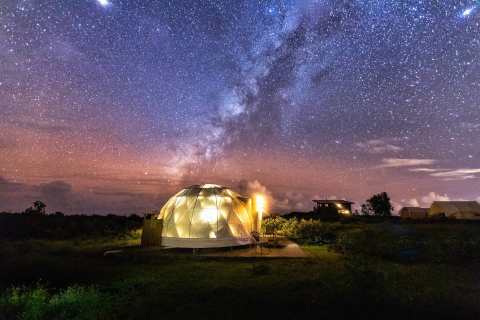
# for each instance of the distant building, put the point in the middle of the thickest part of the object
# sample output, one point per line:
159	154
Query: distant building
341	207
413	213
468	210
324	209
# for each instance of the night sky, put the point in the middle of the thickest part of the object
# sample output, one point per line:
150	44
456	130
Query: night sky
114	105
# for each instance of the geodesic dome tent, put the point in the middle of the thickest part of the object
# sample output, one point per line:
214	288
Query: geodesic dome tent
203	216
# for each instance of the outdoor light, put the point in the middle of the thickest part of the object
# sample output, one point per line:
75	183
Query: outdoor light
209	215
260	203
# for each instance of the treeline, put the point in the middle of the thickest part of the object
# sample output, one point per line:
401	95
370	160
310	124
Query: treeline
63	227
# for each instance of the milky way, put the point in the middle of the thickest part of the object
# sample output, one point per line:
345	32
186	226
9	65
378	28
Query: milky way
111	106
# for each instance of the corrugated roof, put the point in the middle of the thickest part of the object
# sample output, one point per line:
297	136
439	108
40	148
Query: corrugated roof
461	205
333	201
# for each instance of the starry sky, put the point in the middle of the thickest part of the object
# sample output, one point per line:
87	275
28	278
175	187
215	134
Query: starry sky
111	106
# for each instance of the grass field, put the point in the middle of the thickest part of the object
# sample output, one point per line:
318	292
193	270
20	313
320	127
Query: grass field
72	279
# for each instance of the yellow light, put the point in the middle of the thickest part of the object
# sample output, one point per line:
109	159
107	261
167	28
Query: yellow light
209	215
260	203
338	205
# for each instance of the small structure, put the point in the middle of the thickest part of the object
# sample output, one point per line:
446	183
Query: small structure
324	209
205	216
413	213
152	232
341	207
468	210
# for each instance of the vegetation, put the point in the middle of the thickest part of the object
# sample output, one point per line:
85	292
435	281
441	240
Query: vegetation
379	205
393	239
366	267
60	227
38	208
75	302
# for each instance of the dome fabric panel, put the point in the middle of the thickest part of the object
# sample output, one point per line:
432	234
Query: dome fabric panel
206	216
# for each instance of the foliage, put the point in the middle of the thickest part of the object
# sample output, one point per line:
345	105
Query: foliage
280	226
146	284
60	227
79	303
38	208
412	243
399	241
304	231
378	204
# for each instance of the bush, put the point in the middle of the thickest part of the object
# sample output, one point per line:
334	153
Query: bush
79	303
58	227
281	226
315	232
435	244
304	231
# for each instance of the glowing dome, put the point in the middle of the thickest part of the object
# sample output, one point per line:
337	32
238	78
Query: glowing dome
207	215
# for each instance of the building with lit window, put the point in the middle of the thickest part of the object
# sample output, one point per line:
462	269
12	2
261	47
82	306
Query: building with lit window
325	209
341	207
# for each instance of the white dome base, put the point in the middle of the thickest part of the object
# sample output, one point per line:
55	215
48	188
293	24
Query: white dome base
205	243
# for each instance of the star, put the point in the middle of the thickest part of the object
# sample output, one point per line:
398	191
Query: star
305	92
104	3
468	12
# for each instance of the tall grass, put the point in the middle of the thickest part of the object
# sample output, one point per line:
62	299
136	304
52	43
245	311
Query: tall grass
37	303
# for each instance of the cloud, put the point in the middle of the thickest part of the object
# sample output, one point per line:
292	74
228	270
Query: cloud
41	126
401	162
377	146
61	196
277	201
424	170
413	202
432	196
457	174
7	186
470	126
57	194
450	174
426	201
56	188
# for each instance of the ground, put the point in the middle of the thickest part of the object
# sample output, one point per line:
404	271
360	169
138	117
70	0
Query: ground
159	284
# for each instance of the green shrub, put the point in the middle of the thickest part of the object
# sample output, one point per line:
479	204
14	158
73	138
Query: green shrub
305	231
448	245
79	303
315	232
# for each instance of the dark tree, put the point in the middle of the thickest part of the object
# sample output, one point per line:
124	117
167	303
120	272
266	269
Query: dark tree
38	208
379	205
367	209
